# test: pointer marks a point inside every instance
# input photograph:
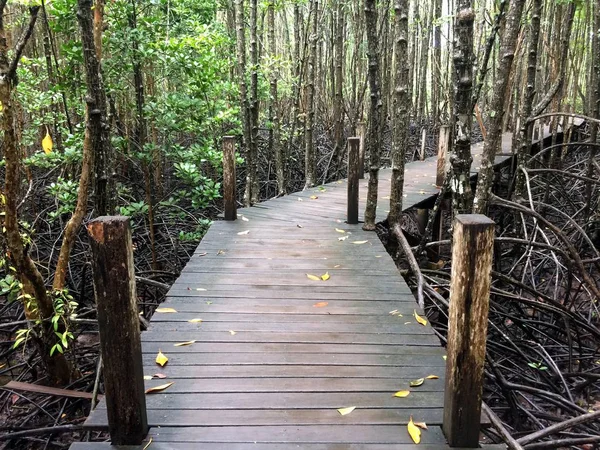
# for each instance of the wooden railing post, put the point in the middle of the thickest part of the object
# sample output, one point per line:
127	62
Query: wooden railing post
361	131
443	148
119	325
472	251
353	176
229	178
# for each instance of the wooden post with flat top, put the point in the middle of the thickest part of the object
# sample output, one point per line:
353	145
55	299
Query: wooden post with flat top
119	325
229	178
353	176
472	252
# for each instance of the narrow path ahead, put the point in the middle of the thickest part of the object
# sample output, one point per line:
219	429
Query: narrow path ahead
277	353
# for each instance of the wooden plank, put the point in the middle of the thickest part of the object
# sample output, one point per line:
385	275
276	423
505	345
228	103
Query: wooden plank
429	357
263	446
361	434
304	327
304	385
291	400
261	417
301	338
174	372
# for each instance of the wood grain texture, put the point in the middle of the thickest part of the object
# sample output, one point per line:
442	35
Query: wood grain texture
472	255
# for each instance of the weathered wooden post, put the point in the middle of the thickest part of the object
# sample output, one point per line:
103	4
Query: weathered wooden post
229	178
361	129
472	251
114	287
353	176
442	161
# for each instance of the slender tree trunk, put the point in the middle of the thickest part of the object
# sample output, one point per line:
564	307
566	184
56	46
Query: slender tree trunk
240	23
275	134
338	104
462	196
494	130
374	132
309	149
595	103
401	110
526	128
41	305
436	78
254	104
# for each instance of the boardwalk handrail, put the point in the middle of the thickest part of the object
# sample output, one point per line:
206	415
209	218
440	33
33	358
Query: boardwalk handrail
119	326
472	254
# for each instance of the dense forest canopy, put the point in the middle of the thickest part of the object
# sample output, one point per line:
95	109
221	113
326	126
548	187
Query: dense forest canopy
121	106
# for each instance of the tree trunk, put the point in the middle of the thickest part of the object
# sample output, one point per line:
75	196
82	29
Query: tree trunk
374	133
493	142
526	128
309	149
275	131
401	111
462	196
254	104
240	23
338	103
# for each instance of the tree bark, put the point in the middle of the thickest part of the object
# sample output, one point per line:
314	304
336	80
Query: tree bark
493	142
338	103
461	159
526	127
373	140
275	132
252	181
309	149
401	110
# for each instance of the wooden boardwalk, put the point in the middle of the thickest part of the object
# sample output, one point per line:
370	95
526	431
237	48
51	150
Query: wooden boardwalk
276	353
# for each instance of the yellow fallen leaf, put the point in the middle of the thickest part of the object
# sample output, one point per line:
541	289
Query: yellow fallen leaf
242	233
417	383
161	359
200	289
245	219
195	321
165	310
300	200
432	377
159	375
340	231
313	277
394	312
343	238
346	411
47	143
422	192
160	388
414	431
147	377
325	276
320	305
402	394
147	444
183	344
421	425
233	333
445	357
360	242
420	319
313	197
